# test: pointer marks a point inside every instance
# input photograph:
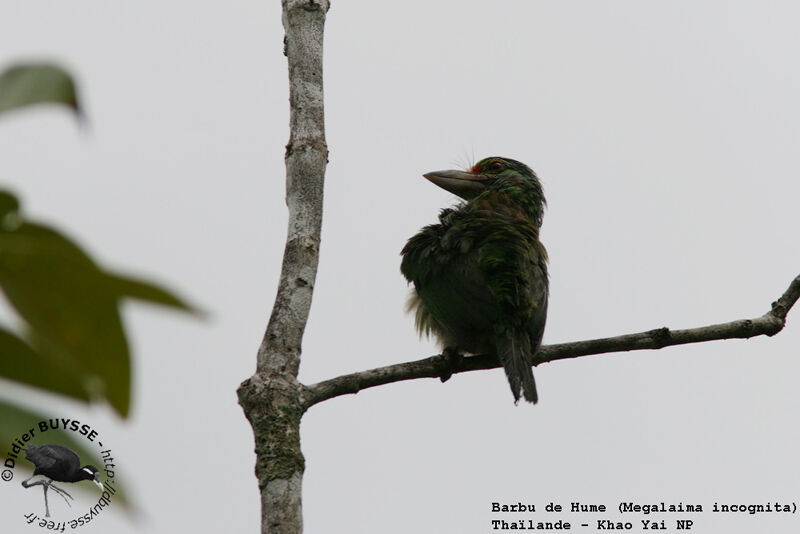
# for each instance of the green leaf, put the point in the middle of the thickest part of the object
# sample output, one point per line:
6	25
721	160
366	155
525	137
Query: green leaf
18	421
21	363
75	343
147	292
72	312
27	84
9	205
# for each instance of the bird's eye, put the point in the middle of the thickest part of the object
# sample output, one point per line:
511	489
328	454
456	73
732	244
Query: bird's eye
496	166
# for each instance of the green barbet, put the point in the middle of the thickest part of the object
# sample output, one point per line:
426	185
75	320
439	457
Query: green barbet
480	274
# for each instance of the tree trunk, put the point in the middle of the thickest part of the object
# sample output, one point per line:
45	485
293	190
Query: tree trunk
271	399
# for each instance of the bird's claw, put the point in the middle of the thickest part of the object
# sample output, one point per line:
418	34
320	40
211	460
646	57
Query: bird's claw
452	359
63	493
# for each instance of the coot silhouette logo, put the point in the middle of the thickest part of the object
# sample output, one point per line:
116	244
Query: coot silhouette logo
58	455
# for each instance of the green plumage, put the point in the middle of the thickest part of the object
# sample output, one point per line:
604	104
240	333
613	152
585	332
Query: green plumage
480	274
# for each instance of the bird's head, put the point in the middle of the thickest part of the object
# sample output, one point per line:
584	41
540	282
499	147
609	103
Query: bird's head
90	472
501	176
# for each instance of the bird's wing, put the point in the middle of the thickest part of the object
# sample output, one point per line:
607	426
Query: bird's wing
515	264
41	457
47	456
538	290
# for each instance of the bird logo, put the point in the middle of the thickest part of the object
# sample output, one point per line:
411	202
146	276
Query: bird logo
57	463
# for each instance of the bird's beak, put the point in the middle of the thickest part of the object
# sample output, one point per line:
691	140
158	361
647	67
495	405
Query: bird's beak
464	184
96	480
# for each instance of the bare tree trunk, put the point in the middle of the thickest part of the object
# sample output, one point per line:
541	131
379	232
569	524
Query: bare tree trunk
271	398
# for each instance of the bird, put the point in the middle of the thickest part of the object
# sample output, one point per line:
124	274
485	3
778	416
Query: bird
57	463
480	279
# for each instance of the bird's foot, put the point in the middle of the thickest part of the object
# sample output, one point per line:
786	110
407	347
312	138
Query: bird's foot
46	485
63	493
452	359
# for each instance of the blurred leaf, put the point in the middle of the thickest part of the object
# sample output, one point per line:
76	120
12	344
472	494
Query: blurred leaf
26	84
62	295
146	291
9	205
21	363
75	343
17	421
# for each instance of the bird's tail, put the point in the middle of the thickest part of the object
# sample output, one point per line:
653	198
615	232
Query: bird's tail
513	352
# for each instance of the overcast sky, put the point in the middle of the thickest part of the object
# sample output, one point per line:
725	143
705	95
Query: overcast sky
665	135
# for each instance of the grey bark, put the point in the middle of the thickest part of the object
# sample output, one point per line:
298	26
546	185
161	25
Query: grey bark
270	398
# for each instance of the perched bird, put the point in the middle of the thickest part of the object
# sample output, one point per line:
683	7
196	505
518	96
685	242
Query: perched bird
480	274
57	463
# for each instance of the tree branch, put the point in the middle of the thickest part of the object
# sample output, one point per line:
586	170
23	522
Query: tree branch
306	158
271	398
441	367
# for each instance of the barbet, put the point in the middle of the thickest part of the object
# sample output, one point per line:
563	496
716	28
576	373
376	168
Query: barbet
480	274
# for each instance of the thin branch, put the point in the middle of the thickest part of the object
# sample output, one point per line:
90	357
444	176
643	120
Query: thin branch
441	367
306	158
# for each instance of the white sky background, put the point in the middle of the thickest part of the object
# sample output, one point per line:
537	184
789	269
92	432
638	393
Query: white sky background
665	136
